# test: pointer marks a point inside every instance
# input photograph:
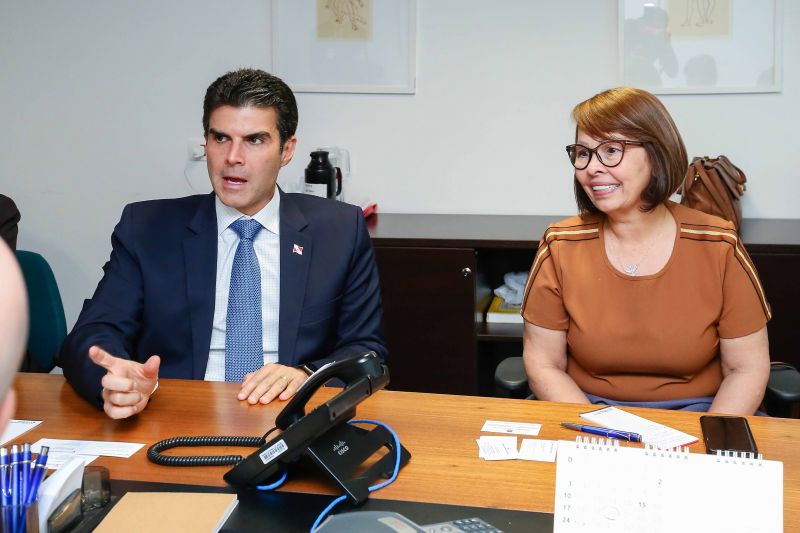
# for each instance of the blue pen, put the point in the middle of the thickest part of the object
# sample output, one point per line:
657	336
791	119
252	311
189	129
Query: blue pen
14	485
24	472
4	477
38	474
608	433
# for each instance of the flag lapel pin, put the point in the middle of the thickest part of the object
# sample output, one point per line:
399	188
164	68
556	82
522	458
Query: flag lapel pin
297	249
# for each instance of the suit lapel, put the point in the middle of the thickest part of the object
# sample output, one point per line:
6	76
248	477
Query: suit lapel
200	255
295	257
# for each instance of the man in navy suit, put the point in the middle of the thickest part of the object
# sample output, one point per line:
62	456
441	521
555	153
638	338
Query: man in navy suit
164	305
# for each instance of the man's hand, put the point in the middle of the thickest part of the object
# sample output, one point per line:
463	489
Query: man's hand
127	385
271	381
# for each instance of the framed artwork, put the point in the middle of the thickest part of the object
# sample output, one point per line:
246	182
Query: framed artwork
701	46
345	46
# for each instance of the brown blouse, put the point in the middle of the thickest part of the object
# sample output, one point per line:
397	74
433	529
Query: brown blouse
646	338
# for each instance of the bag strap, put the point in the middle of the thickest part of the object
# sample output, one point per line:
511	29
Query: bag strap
712	187
735	172
688	180
732	176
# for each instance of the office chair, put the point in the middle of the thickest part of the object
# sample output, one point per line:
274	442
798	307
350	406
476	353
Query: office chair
783	391
48	327
510	378
781	399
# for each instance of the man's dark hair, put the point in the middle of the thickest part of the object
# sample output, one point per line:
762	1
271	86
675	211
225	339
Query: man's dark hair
253	88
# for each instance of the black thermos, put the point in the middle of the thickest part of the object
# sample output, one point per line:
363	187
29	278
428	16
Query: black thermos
321	176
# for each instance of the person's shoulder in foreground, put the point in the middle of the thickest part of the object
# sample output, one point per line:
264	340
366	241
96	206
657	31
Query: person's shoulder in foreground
13	328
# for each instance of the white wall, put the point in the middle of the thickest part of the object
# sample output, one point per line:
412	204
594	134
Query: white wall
98	99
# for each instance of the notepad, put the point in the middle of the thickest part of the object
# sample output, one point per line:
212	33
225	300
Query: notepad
16	428
602	486
176	512
651	432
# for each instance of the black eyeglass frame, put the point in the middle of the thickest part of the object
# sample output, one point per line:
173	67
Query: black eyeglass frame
594	151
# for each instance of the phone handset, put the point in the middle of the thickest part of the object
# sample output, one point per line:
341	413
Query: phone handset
347	370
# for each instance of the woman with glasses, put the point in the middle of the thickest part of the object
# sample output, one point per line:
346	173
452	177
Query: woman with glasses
639	301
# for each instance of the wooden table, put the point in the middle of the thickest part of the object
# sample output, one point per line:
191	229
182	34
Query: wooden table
439	431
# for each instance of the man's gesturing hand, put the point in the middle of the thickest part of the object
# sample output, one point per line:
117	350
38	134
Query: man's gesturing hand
127	385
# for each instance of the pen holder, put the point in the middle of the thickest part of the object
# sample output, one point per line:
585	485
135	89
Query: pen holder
20	518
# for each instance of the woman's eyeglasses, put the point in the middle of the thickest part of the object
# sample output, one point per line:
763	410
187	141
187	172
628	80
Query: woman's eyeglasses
609	153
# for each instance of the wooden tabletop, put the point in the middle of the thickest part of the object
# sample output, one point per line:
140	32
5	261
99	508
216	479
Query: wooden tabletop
439	431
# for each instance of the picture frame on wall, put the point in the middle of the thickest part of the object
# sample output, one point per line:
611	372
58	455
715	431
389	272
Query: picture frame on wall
701	46
345	46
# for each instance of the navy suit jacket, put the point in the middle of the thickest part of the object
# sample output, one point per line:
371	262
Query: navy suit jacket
157	293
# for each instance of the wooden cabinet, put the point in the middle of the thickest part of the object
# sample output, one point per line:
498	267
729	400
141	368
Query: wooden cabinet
774	246
780	275
437	272
428	300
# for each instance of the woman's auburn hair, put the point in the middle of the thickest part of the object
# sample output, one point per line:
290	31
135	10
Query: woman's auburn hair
637	115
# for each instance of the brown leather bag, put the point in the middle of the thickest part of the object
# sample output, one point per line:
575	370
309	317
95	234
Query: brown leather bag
714	186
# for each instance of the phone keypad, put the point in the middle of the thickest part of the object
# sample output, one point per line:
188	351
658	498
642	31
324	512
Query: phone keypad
463	525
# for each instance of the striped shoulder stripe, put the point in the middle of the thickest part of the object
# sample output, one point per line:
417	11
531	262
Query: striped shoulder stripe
732	238
572	233
579	232
713	235
542	255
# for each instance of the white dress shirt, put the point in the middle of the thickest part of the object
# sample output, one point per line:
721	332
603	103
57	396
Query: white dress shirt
267	248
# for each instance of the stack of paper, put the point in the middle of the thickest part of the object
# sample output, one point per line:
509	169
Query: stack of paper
505	448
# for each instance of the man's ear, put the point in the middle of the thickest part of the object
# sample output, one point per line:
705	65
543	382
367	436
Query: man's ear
287	152
7	408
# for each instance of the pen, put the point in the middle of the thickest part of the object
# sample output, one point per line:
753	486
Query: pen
24	471
609	433
4	477
14	485
38	473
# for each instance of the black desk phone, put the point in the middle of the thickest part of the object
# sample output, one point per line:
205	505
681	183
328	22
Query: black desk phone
322	436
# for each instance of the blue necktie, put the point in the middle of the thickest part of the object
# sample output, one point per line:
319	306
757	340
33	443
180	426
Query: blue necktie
243	337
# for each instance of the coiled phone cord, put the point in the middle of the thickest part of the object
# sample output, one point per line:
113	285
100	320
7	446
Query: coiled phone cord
154	452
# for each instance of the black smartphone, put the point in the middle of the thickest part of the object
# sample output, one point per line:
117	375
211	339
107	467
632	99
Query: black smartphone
727	433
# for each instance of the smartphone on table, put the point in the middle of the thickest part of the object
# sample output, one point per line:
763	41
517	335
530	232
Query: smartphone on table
727	433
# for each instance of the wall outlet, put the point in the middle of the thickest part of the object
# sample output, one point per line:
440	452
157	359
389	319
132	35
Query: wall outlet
197	149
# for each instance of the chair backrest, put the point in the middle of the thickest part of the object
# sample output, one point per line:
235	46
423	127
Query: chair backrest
48	327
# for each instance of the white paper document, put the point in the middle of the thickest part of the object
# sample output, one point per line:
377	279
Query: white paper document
87	447
497	448
16	428
538	450
513	428
58	459
652	432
